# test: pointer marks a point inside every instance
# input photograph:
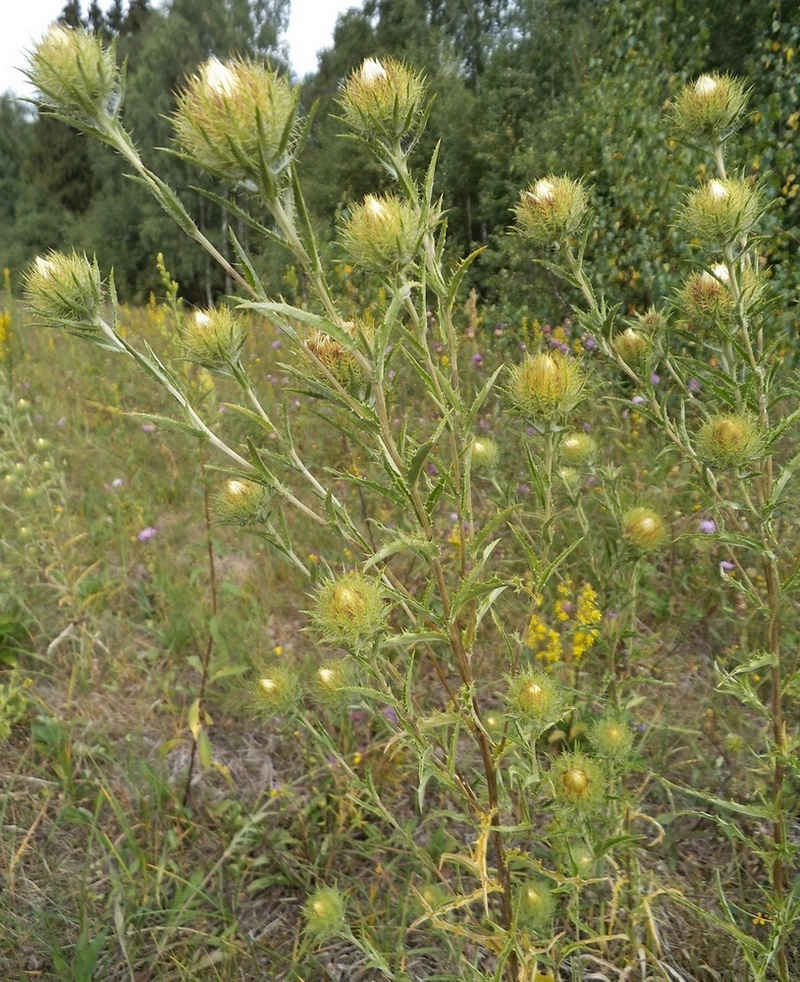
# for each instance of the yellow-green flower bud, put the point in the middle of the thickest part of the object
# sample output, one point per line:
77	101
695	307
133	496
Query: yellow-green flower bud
582	861
67	291
75	73
276	692
706	297
644	529
349	609
382	233
546	386
214	339
332	680
241	502
651	322
578	782
324	912
631	346
535	905
720	212
535	697
731	440
611	737
384	99
334	357
578	449
237	119
711	106
485	453
551	209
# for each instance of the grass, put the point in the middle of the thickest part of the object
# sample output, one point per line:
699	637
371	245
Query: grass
115	868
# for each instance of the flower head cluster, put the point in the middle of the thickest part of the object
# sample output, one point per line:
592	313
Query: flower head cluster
76	73
543	641
237	119
587	618
712	106
382	233
546	386
384	100
551	209
214	339
350	609
731	440
611	737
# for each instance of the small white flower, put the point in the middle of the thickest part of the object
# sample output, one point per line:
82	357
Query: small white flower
542	191
705	86
219	78
371	71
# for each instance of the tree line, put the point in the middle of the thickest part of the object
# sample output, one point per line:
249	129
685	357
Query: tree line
521	88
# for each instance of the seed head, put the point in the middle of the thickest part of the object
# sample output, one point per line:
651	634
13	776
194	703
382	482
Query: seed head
235	117
644	529
551	209
546	386
384	100
731	440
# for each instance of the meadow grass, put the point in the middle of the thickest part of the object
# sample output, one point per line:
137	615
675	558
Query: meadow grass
109	872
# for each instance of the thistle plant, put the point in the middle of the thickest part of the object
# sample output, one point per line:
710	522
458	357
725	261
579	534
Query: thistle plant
463	621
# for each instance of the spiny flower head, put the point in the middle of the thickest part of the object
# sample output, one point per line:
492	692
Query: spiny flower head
241	502
384	100
712	106
324	913
551	209
643	528
276	691
611	736
237	118
546	386
535	697
721	211
350	609
577	449
332	681
214	339
731	440
485	453
65	290
535	905
339	361
76	73
578	782
632	345
382	233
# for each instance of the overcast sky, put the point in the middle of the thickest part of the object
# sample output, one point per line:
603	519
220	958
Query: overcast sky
310	30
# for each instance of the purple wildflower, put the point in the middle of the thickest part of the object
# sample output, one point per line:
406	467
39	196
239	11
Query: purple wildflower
390	715
707	526
655	379
726	567
693	385
637	400
149	427
146	534
477	359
